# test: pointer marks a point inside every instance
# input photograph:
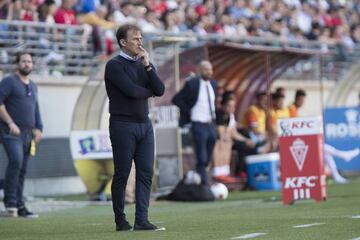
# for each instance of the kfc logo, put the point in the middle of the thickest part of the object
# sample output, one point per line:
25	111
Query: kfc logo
302	124
301	186
299	126
299	151
285	128
299	182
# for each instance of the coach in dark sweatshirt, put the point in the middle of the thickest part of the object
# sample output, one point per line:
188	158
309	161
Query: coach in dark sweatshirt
130	80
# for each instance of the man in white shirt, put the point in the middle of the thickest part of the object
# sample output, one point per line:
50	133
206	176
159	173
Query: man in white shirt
197	105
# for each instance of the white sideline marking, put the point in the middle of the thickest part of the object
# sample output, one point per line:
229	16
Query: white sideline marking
358	238
155	230
251	235
91	224
308	225
356	216
160	229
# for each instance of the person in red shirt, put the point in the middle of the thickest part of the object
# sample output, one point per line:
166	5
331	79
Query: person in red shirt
336	16
29	13
65	14
157	6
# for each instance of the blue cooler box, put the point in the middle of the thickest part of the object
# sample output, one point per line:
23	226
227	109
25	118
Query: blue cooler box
264	171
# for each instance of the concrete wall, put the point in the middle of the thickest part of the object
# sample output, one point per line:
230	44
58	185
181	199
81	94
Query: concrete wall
57	99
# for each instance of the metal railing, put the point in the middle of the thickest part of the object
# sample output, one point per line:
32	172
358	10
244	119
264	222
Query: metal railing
64	50
56	48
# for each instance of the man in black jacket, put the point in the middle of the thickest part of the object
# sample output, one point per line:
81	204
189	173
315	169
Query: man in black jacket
197	105
130	79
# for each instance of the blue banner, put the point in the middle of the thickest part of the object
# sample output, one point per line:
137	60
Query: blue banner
342	137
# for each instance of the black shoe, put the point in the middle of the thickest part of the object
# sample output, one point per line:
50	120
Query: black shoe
123	226
145	226
24	212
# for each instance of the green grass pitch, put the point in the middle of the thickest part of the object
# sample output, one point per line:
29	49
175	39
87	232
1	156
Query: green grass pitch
242	213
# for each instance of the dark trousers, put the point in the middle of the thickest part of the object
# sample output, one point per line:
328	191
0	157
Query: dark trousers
242	151
17	149
204	136
132	141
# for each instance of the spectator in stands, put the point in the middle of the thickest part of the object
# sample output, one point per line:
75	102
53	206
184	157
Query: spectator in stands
239	9
150	23
205	8
290	20
6	10
242	28
196	101
304	18
179	20
191	18
355	33
65	14
325	38
20	128
227	27
15	10
205	25
139	12
169	22
174	21
29	12
158	7
5	5
87	6
344	43
98	22
300	96
125	14
47	12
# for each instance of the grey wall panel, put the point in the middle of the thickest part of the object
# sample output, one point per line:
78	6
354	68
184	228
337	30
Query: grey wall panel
168	156
167	141
53	159
168	171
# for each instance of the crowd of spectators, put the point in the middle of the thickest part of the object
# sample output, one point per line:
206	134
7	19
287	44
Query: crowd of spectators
326	20
334	22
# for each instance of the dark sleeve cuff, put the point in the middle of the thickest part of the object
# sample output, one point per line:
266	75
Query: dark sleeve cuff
39	127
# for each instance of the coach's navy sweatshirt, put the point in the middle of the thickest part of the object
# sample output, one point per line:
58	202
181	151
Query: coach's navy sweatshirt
128	86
